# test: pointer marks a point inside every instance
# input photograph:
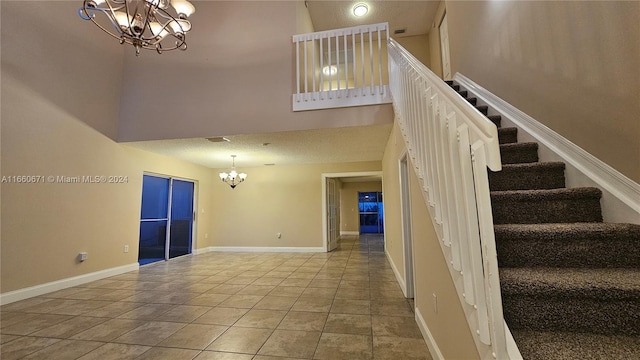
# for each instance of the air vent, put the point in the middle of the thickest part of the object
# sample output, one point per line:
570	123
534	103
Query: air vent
218	139
270	164
399	31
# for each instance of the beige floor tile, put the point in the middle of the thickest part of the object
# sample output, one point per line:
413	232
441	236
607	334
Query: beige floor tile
242	301
344	347
298	274
65	350
324	283
115	352
291	291
295	282
348	324
241	340
313	304
150	333
24	346
11	318
208	299
253	289
147	312
398	326
194	336
391	308
270	302
278	273
229	289
217	355
221	316
34	323
109	330
266	357
4	338
291	343
158	353
184	313
199	288
79	307
393	348
350	306
115	309
265	319
69	327
268	281
353	294
359	284
24	305
305	321
319	292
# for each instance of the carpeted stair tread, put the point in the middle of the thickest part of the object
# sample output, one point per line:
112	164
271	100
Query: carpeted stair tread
483	109
496	119
525	152
508	135
528	176
597	283
463	93
546	206
590	245
472	100
560	345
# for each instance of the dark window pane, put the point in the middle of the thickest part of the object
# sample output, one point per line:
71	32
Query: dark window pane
155	193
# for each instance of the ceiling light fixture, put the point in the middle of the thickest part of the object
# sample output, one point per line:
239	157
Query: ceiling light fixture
330	70
145	24
360	9
233	178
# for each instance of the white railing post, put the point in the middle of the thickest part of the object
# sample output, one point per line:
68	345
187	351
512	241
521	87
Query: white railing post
323	62
452	145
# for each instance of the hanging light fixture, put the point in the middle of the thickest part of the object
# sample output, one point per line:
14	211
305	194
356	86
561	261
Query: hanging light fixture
145	24
233	178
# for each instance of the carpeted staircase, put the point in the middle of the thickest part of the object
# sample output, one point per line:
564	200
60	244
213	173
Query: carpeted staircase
570	282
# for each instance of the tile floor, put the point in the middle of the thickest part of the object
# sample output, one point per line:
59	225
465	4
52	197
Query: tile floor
233	306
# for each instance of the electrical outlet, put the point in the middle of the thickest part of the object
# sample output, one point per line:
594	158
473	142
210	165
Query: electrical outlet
82	256
126	249
279	235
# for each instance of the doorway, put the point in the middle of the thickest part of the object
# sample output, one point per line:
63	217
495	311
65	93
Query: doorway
407	240
166	218
371	212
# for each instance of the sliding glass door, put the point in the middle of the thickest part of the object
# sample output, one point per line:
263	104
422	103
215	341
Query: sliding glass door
166	218
371	212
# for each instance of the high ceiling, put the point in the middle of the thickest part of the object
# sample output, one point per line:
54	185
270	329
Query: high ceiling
351	144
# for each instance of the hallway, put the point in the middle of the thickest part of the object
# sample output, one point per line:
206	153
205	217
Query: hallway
234	306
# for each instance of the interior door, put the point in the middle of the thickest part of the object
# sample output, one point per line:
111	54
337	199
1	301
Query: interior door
444	49
332	214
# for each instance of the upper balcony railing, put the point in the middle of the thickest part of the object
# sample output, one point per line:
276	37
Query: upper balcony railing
343	67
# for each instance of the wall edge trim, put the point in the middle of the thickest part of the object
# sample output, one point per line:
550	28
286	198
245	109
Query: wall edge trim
397	273
41	289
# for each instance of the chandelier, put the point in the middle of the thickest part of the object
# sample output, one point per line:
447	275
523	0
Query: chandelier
233	178
145	24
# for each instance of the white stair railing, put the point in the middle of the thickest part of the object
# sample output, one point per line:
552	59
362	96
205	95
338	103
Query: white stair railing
451	144
343	67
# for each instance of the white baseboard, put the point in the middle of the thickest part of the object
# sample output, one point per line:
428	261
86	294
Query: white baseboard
611	180
349	233
261	249
436	354
21	294
202	250
397	273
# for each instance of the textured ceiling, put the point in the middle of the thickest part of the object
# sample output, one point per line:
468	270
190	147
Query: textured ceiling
352	144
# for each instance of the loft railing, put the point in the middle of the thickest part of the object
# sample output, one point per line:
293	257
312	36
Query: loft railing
343	67
451	144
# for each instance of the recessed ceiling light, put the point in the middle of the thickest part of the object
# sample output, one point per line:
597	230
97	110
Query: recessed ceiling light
330	70
218	139
360	9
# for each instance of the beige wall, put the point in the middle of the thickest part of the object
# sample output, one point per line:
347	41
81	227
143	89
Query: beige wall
236	78
349	213
572	65
275	199
45	225
448	326
418	46
435	54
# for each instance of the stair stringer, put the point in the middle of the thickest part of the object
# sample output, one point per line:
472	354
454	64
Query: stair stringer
621	195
